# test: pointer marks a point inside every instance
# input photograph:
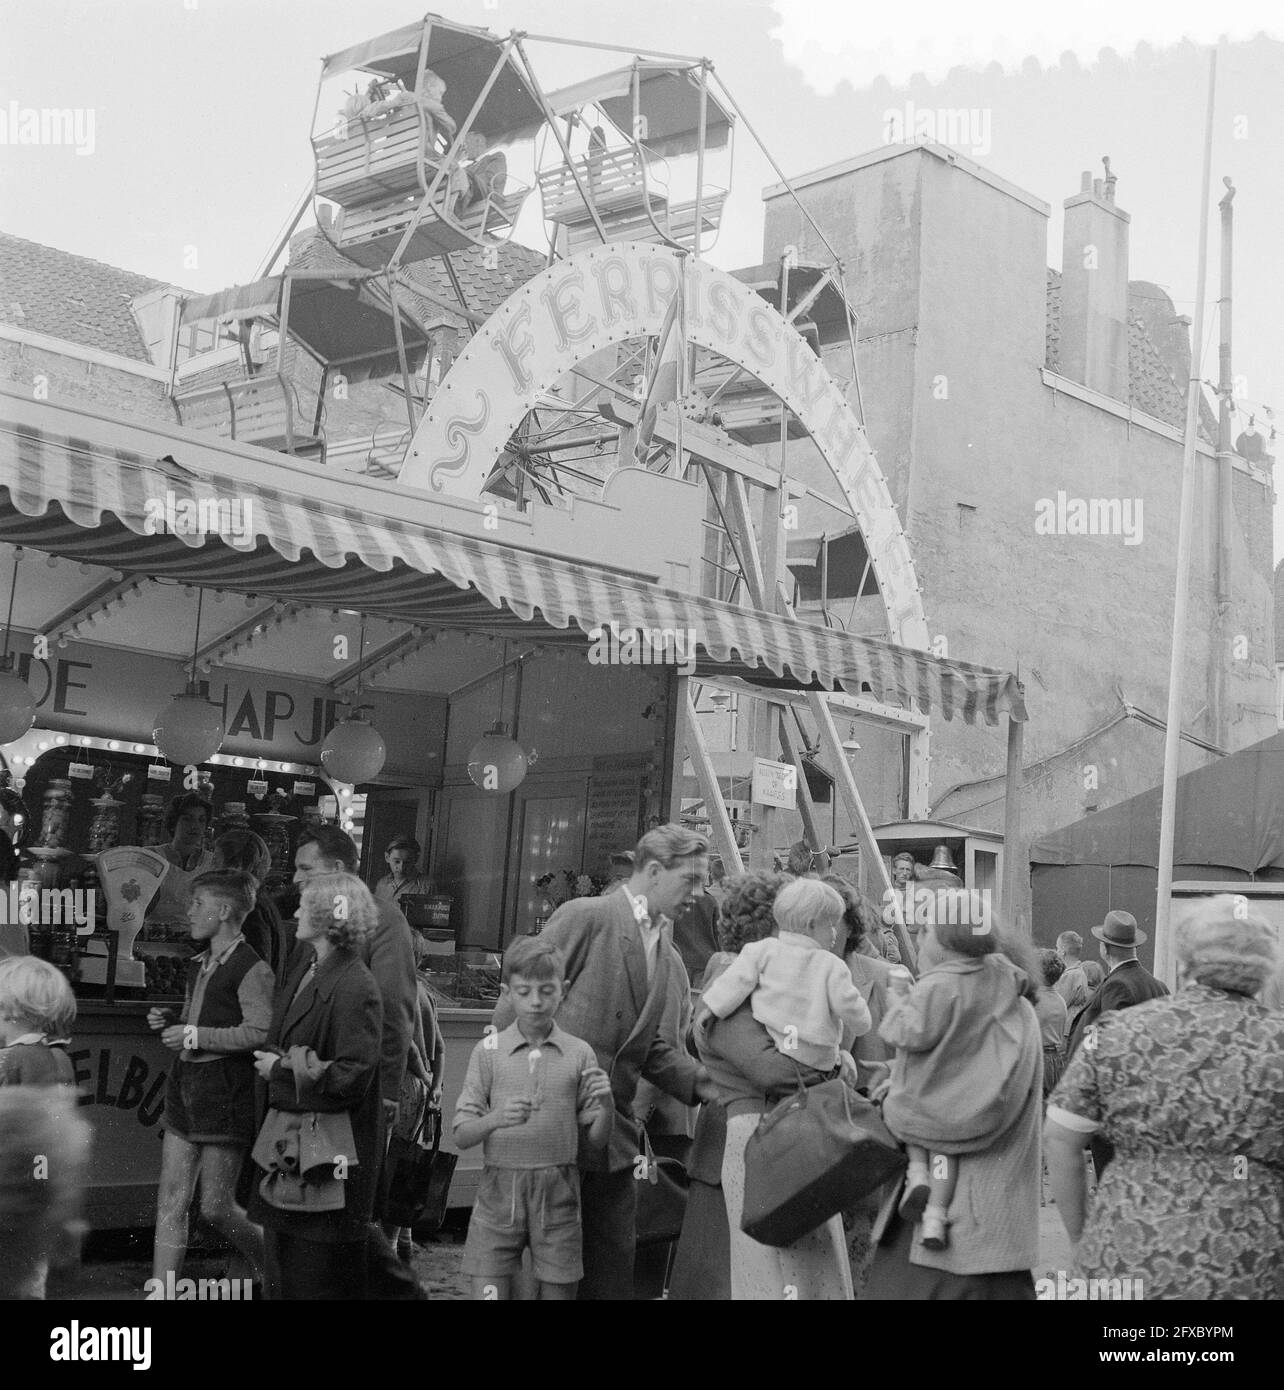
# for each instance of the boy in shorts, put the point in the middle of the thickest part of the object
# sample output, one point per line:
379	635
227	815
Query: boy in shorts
209	1098
528	1091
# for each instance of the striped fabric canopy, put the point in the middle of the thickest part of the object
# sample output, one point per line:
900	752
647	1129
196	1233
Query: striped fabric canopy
76	491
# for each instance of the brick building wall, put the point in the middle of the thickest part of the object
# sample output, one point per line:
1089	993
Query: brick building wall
947	265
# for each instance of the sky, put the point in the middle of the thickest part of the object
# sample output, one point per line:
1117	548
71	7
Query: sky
194	115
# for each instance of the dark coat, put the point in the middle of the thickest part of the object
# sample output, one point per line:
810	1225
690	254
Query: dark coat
339	1016
611	1006
390	956
266	933
695	935
1131	984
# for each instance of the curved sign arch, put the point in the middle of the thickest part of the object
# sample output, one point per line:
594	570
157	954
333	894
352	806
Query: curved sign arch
572	310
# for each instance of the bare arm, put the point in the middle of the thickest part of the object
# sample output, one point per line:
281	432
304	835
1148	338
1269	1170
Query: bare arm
1064	1149
473	1131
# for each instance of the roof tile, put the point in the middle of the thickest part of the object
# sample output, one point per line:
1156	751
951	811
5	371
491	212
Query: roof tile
44	290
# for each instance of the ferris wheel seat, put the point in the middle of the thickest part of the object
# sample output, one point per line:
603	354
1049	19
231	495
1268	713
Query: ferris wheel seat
677	222
615	180
371	233
378	158
263	410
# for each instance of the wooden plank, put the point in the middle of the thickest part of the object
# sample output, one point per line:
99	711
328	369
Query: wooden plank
691	737
873	870
792	745
1012	858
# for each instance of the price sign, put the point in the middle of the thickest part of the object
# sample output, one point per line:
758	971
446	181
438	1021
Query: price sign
158	772
775	784
305	789
83	771
256	786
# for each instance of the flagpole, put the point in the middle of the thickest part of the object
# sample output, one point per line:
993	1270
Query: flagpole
1164	965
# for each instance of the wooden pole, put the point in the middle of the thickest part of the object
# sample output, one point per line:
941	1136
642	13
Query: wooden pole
1012	854
691	737
1164	969
870	854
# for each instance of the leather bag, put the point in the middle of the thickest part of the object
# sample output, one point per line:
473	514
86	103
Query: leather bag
420	1176
816	1153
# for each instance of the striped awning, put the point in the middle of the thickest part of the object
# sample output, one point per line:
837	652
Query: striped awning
74	484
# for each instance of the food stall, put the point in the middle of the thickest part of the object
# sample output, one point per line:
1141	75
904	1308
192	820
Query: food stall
92	780
595	740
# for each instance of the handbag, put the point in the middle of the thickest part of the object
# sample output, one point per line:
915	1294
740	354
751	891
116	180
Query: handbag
661	1198
419	1177
305	1157
816	1153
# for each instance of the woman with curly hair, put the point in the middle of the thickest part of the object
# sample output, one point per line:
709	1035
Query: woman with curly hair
1189	1088
702	1264
322	1060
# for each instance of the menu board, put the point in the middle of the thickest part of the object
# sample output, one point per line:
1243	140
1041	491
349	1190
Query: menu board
614	809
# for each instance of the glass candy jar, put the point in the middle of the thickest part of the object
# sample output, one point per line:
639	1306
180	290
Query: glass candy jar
104	830
55	819
151	820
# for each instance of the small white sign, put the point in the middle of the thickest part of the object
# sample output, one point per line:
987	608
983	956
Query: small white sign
775	784
158	772
305	789
83	771
256	786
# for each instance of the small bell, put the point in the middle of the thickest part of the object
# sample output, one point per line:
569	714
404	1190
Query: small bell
942	859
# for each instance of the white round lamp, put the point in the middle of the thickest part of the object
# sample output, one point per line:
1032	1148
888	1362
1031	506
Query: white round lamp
17	705
497	763
353	751
189	730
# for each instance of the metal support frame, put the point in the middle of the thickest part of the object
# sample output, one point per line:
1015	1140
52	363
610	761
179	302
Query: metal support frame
451	155
561	142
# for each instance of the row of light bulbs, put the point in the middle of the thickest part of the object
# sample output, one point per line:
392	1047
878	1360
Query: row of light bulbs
189	730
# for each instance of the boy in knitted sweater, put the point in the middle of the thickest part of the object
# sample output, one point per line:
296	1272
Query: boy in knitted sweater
797	988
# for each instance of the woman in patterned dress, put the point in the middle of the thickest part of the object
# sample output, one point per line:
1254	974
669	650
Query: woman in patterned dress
1190	1090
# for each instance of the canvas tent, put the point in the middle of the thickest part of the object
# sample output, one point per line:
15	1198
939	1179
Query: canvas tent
1230	828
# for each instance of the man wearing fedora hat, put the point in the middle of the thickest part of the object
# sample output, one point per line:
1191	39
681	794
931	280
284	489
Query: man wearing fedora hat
1127	982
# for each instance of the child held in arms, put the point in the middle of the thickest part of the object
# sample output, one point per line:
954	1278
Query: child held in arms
209	1098
957	1033
43	1144
528	1090
797	988
37	1009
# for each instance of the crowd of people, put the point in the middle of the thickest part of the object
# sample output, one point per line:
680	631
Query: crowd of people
665	1018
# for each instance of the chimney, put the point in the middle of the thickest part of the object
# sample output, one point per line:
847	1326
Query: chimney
1094	288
